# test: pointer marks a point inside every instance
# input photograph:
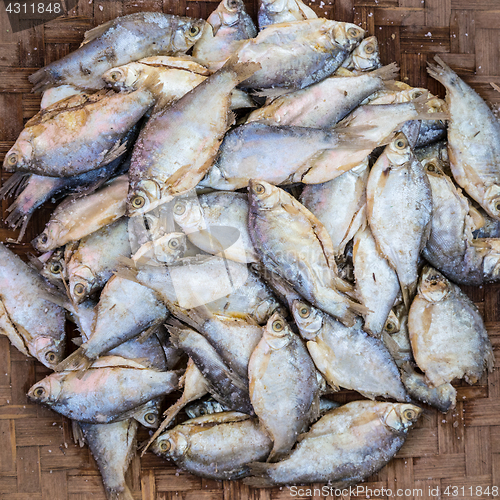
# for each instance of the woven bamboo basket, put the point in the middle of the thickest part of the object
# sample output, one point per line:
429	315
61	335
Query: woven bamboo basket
457	453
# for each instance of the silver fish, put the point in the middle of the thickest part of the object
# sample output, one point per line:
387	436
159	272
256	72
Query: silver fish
73	219
226	26
365	57
178	144
348	357
399	203
473	140
294	244
297	54
30	319
113	447
447	333
118	42
344	447
95	258
191	445
110	387
283	385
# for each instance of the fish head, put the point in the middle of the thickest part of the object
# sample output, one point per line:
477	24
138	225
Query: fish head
172	444
126	77
187	34
347	35
264	195
20	156
54	268
277	333
48	390
433	286
366	57
307	318
398	151
143	196
47	240
188	214
264	310
147	415
48	350
392	324
400	417
226	14
492	201
170	247
81	282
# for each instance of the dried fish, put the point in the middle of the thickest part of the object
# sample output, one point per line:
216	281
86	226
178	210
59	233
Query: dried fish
283	11
118	42
365	57
344	447
447	333
26	298
191	445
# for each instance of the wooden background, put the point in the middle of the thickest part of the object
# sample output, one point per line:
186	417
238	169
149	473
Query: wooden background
38	460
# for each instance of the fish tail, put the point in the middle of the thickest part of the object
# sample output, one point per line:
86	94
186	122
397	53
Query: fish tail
42	80
78	436
389	72
408	292
260	473
442	72
170	414
76	361
126	269
242	69
124	494
14	185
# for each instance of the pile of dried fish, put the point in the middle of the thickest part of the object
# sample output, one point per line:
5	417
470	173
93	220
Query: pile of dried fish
254	224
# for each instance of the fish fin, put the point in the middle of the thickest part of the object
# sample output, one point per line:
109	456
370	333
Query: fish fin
14	184
240	99
35	262
389	72
408	292
8	328
147	333
260	473
126	269
78	436
17	219
495	86
119	149
243	70
42	80
78	341
442	72
96	32
170	414
423	113
272	93
193	317
476	218
74	362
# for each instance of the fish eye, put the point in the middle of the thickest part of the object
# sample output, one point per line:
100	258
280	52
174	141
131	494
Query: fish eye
164	446
50	356
390	327
431	166
203	411
150	418
304	311
497	206
353	32
79	289
418	93
410	414
115	75
232	4
179	208
278	326
258	189
43	238
194	30
55	268
138	201
400	143
39	392
173	243
12	159
370	48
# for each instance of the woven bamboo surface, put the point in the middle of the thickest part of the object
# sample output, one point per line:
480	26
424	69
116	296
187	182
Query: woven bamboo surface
38	460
